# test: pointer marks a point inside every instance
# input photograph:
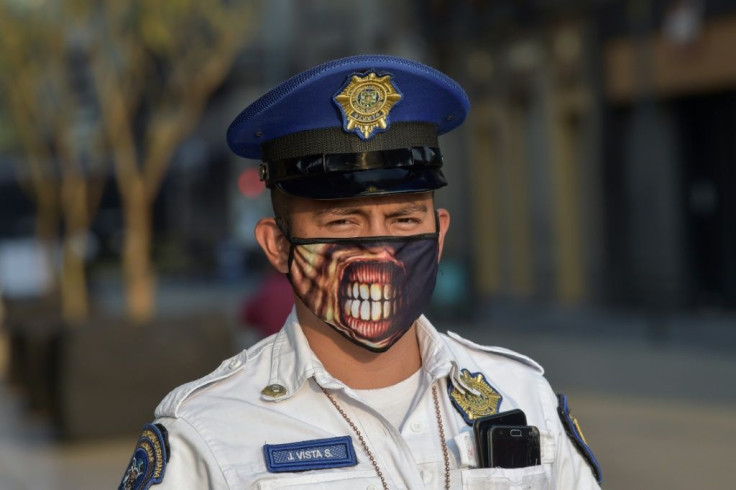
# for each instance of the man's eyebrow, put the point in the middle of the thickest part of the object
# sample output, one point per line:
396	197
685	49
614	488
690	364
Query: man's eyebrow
351	210
410	208
339	211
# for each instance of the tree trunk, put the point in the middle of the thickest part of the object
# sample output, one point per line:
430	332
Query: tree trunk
74	295
47	223
137	267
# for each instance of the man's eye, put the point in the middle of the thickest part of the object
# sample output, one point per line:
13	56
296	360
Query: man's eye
408	220
338	222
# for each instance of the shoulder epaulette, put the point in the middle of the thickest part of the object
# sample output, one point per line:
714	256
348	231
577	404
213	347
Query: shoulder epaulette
169	406
498	350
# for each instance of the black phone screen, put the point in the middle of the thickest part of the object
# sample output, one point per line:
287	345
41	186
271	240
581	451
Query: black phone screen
482	429
514	446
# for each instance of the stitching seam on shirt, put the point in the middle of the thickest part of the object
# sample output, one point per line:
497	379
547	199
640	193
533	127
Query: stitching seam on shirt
208	444
275	355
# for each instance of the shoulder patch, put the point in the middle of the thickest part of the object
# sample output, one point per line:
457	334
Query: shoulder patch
498	350
572	428
148	464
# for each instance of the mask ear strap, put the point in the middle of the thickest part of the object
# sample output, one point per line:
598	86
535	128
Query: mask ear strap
287	235
436	221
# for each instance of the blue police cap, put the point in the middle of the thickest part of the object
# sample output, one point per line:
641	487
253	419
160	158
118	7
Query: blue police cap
357	126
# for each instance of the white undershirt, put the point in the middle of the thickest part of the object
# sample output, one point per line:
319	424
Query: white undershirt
393	402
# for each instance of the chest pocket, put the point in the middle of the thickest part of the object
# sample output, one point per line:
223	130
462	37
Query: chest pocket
354	480
529	478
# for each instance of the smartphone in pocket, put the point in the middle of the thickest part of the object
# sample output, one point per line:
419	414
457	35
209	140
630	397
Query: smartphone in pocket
482	430
513	446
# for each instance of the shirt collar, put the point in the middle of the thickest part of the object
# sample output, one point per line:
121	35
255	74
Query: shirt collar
293	362
437	359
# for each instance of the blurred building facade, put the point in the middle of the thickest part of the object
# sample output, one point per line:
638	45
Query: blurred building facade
596	166
602	148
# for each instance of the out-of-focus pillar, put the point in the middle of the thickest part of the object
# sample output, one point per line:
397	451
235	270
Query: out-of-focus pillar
568	109
565	120
518	222
485	187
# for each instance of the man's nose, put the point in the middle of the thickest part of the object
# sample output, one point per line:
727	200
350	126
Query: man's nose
382	251
377	226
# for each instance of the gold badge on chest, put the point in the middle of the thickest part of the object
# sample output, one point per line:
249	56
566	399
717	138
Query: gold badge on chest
471	405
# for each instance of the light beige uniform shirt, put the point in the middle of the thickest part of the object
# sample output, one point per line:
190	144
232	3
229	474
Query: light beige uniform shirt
219	424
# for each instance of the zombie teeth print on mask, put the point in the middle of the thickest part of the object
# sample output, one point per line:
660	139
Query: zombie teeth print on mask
372	289
368	298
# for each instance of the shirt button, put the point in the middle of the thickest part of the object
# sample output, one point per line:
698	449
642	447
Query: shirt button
426	477
234	364
274	390
417	426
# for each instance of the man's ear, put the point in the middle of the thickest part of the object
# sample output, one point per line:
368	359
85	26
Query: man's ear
443	216
273	243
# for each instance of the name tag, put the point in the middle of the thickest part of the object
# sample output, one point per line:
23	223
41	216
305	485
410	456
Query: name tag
317	454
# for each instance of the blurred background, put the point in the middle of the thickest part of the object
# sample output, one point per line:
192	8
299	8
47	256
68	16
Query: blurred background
592	192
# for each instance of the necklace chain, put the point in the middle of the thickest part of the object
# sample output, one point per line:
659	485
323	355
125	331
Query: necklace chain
360	438
445	455
372	459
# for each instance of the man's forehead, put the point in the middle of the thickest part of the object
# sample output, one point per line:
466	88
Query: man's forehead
406	202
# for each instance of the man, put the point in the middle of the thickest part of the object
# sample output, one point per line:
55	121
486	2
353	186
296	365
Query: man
358	390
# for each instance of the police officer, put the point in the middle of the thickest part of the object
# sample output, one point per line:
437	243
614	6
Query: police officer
358	389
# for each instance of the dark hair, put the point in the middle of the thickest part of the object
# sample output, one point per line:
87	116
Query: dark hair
282	205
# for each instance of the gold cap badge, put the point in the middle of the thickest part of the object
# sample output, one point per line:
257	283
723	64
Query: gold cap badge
366	102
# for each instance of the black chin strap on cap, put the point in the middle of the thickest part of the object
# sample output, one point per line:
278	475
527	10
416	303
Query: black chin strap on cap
278	171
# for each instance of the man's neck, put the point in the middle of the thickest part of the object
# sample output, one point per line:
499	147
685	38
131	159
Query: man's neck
357	367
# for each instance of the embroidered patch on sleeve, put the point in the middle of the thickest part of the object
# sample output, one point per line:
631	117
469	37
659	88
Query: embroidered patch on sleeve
148	464
572	428
316	454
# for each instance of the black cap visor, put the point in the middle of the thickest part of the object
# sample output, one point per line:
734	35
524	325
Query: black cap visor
374	182
344	175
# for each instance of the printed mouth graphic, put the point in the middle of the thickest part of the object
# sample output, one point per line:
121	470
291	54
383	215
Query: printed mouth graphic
368	297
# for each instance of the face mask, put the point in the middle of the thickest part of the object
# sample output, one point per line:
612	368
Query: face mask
372	289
